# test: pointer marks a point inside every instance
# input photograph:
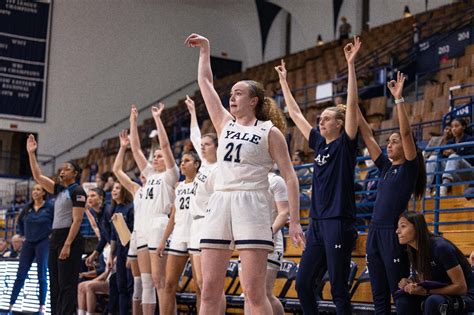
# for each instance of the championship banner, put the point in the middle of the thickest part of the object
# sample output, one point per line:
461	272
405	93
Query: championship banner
24	42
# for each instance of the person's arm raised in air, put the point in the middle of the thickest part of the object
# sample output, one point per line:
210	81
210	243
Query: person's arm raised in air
396	88
276	142
117	168
293	109
135	145
163	137
350	51
46	182
195	132
218	114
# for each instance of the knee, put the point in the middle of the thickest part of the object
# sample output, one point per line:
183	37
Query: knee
148	290
403	304
210	291
433	303
82	288
158	281
170	286
303	284
254	293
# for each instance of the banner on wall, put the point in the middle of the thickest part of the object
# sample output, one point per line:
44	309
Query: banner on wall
24	42
433	51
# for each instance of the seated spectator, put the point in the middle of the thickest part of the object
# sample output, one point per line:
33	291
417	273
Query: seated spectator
99	283
304	174
17	244
432	156
458	128
3	247
433	258
366	202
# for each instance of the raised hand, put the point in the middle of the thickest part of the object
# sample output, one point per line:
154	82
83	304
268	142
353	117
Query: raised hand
196	40
31	144
351	50
124	140
133	113
156	111
190	104
396	87
281	70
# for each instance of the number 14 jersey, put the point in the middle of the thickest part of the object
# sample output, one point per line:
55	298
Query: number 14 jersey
243	157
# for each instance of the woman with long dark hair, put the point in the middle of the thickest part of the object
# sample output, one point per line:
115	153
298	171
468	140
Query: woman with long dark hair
67	244
138	194
34	223
433	258
122	203
402	173
331	235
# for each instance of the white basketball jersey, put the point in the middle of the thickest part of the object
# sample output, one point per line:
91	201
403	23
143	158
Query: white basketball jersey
139	218
243	157
278	191
185	193
200	200
159	191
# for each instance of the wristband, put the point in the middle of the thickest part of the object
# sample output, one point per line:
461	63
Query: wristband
400	100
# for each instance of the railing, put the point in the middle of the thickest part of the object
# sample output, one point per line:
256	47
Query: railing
463	171
365	197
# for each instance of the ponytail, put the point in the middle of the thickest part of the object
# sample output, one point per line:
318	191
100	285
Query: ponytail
266	108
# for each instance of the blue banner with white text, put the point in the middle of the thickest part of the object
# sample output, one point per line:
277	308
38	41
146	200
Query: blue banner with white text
24	41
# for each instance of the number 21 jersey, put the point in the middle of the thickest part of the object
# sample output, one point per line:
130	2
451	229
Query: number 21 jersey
243	157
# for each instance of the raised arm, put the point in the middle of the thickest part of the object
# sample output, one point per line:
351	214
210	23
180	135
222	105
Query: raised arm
46	182
293	109
368	136
282	158
163	137
195	132
396	88
137	152
219	115
123	178
350	51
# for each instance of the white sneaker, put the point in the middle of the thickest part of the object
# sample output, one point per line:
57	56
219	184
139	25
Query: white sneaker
443	191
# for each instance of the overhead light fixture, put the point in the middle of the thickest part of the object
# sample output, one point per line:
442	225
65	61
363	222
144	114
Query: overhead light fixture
319	41
406	12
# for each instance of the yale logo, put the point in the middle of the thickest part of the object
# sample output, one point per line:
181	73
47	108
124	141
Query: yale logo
322	159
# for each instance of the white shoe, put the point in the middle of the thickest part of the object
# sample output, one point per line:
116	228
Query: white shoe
443	191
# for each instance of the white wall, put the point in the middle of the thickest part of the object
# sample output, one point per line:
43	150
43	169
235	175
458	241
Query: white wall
105	55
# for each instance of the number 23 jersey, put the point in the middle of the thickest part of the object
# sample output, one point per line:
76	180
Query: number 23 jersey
243	157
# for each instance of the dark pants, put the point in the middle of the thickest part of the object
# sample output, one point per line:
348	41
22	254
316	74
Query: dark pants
387	261
433	304
64	274
123	280
329	244
112	307
29	252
